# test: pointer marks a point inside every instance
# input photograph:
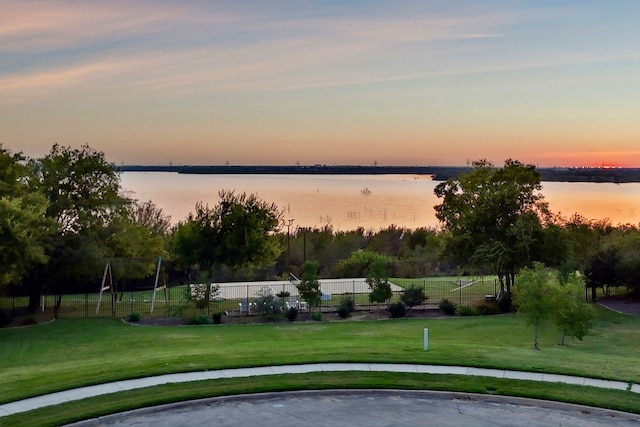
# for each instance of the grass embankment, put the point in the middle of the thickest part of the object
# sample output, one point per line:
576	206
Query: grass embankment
72	353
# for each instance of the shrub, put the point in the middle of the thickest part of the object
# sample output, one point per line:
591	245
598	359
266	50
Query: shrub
447	306
413	296
346	307
397	309
292	314
465	310
217	318
348	303
268	305
283	294
380	290
487	308
316	315
343	311
200	320
133	317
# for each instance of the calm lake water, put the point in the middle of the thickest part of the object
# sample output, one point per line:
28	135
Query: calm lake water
370	201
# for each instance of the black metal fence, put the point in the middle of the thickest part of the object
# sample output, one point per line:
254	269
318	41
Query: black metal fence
180	300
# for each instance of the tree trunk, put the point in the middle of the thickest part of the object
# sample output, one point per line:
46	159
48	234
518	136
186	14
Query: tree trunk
56	309
501	280
34	289
535	337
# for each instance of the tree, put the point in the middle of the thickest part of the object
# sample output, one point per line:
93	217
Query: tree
150	216
421	253
82	187
82	190
359	263
572	314
238	231
626	241
309	286
602	268
494	217
378	280
25	233
534	296
134	249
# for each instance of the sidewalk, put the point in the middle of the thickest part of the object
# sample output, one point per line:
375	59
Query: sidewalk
118	386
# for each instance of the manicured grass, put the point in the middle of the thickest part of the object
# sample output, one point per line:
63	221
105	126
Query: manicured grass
103	405
72	353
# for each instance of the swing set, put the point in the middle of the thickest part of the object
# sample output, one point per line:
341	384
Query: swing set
108	284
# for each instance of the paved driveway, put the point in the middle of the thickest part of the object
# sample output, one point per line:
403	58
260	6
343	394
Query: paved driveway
368	408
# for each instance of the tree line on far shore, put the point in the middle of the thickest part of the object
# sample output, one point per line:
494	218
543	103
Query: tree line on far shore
63	214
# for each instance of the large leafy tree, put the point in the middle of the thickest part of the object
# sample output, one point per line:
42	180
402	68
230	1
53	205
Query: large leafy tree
495	217
238	231
602	269
25	233
82	190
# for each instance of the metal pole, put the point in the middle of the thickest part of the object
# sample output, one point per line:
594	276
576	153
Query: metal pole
289	223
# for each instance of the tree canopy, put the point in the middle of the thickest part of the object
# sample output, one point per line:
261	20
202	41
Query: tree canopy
494	217
544	294
238	231
25	232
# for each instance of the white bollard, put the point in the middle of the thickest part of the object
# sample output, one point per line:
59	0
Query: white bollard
426	339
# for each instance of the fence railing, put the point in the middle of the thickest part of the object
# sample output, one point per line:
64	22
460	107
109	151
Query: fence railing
228	297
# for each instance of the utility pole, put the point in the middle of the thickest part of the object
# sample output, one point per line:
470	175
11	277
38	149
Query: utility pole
304	231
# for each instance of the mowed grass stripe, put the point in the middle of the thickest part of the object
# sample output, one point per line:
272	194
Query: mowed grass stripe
74	353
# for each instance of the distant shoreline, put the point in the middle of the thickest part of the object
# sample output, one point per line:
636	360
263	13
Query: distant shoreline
438	173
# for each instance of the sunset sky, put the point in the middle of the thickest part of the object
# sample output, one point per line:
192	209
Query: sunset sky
336	82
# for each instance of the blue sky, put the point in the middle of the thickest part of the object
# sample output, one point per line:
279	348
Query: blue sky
335	82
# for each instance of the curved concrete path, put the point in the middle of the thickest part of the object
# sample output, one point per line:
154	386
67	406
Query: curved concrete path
118	386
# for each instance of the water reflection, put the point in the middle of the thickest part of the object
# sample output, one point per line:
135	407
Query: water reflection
371	201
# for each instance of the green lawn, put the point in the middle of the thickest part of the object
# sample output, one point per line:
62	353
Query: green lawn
72	353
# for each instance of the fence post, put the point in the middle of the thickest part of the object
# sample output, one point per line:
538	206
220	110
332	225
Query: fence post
168	297
424	286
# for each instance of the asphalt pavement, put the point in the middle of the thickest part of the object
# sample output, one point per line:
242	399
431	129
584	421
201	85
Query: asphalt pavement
367	408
